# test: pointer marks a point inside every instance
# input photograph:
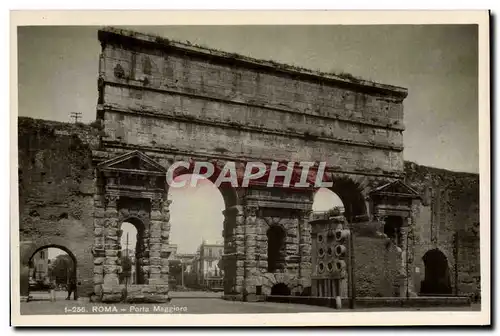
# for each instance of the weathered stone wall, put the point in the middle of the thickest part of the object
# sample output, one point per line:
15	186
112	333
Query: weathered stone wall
448	219
56	189
167	97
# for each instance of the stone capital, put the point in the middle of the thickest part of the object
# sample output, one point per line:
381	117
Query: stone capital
157	203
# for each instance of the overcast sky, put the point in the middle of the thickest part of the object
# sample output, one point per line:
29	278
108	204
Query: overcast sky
438	64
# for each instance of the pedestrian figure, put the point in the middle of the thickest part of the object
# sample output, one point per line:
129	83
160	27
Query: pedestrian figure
71	289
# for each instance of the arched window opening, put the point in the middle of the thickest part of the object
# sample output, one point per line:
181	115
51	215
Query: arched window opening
196	234
276	248
51	268
392	228
437	275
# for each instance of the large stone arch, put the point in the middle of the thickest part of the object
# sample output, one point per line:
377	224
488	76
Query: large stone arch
232	210
230	194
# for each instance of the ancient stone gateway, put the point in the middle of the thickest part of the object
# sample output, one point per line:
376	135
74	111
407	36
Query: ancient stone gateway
161	101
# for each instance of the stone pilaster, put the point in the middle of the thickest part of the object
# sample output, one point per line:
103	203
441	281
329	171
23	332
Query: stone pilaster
239	243
406	285
305	265
159	241
229	258
145	262
111	263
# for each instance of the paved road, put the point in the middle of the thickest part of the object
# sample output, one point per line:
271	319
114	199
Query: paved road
184	303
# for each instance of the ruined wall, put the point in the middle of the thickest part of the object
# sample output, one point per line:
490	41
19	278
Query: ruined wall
167	97
56	189
447	219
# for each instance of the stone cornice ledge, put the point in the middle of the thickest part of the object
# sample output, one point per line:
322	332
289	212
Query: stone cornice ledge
351	120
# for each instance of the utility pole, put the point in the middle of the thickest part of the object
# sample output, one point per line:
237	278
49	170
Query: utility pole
76	116
182	273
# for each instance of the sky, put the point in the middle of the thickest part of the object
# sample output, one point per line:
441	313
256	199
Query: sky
57	75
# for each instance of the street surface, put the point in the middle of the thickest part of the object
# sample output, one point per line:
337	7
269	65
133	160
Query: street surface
186	303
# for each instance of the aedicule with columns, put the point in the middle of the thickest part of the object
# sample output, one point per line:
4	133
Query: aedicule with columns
132	189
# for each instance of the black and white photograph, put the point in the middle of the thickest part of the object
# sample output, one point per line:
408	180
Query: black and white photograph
169	171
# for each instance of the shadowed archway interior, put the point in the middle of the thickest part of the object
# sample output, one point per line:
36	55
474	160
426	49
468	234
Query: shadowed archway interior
437	274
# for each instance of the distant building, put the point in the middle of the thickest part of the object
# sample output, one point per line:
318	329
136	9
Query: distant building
207	265
187	259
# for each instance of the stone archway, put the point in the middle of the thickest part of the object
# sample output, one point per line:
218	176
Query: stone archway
232	224
139	258
437	274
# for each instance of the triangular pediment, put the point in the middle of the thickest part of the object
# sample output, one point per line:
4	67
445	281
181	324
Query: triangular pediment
396	189
135	161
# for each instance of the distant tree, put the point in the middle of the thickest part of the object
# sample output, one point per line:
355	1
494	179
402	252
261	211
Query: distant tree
62	268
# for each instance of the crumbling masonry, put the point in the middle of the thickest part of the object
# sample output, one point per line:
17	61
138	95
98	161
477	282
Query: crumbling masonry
162	101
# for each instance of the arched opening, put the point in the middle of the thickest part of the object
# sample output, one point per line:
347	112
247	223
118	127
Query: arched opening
437	275
131	248
276	248
392	228
280	289
348	197
197	234
52	267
